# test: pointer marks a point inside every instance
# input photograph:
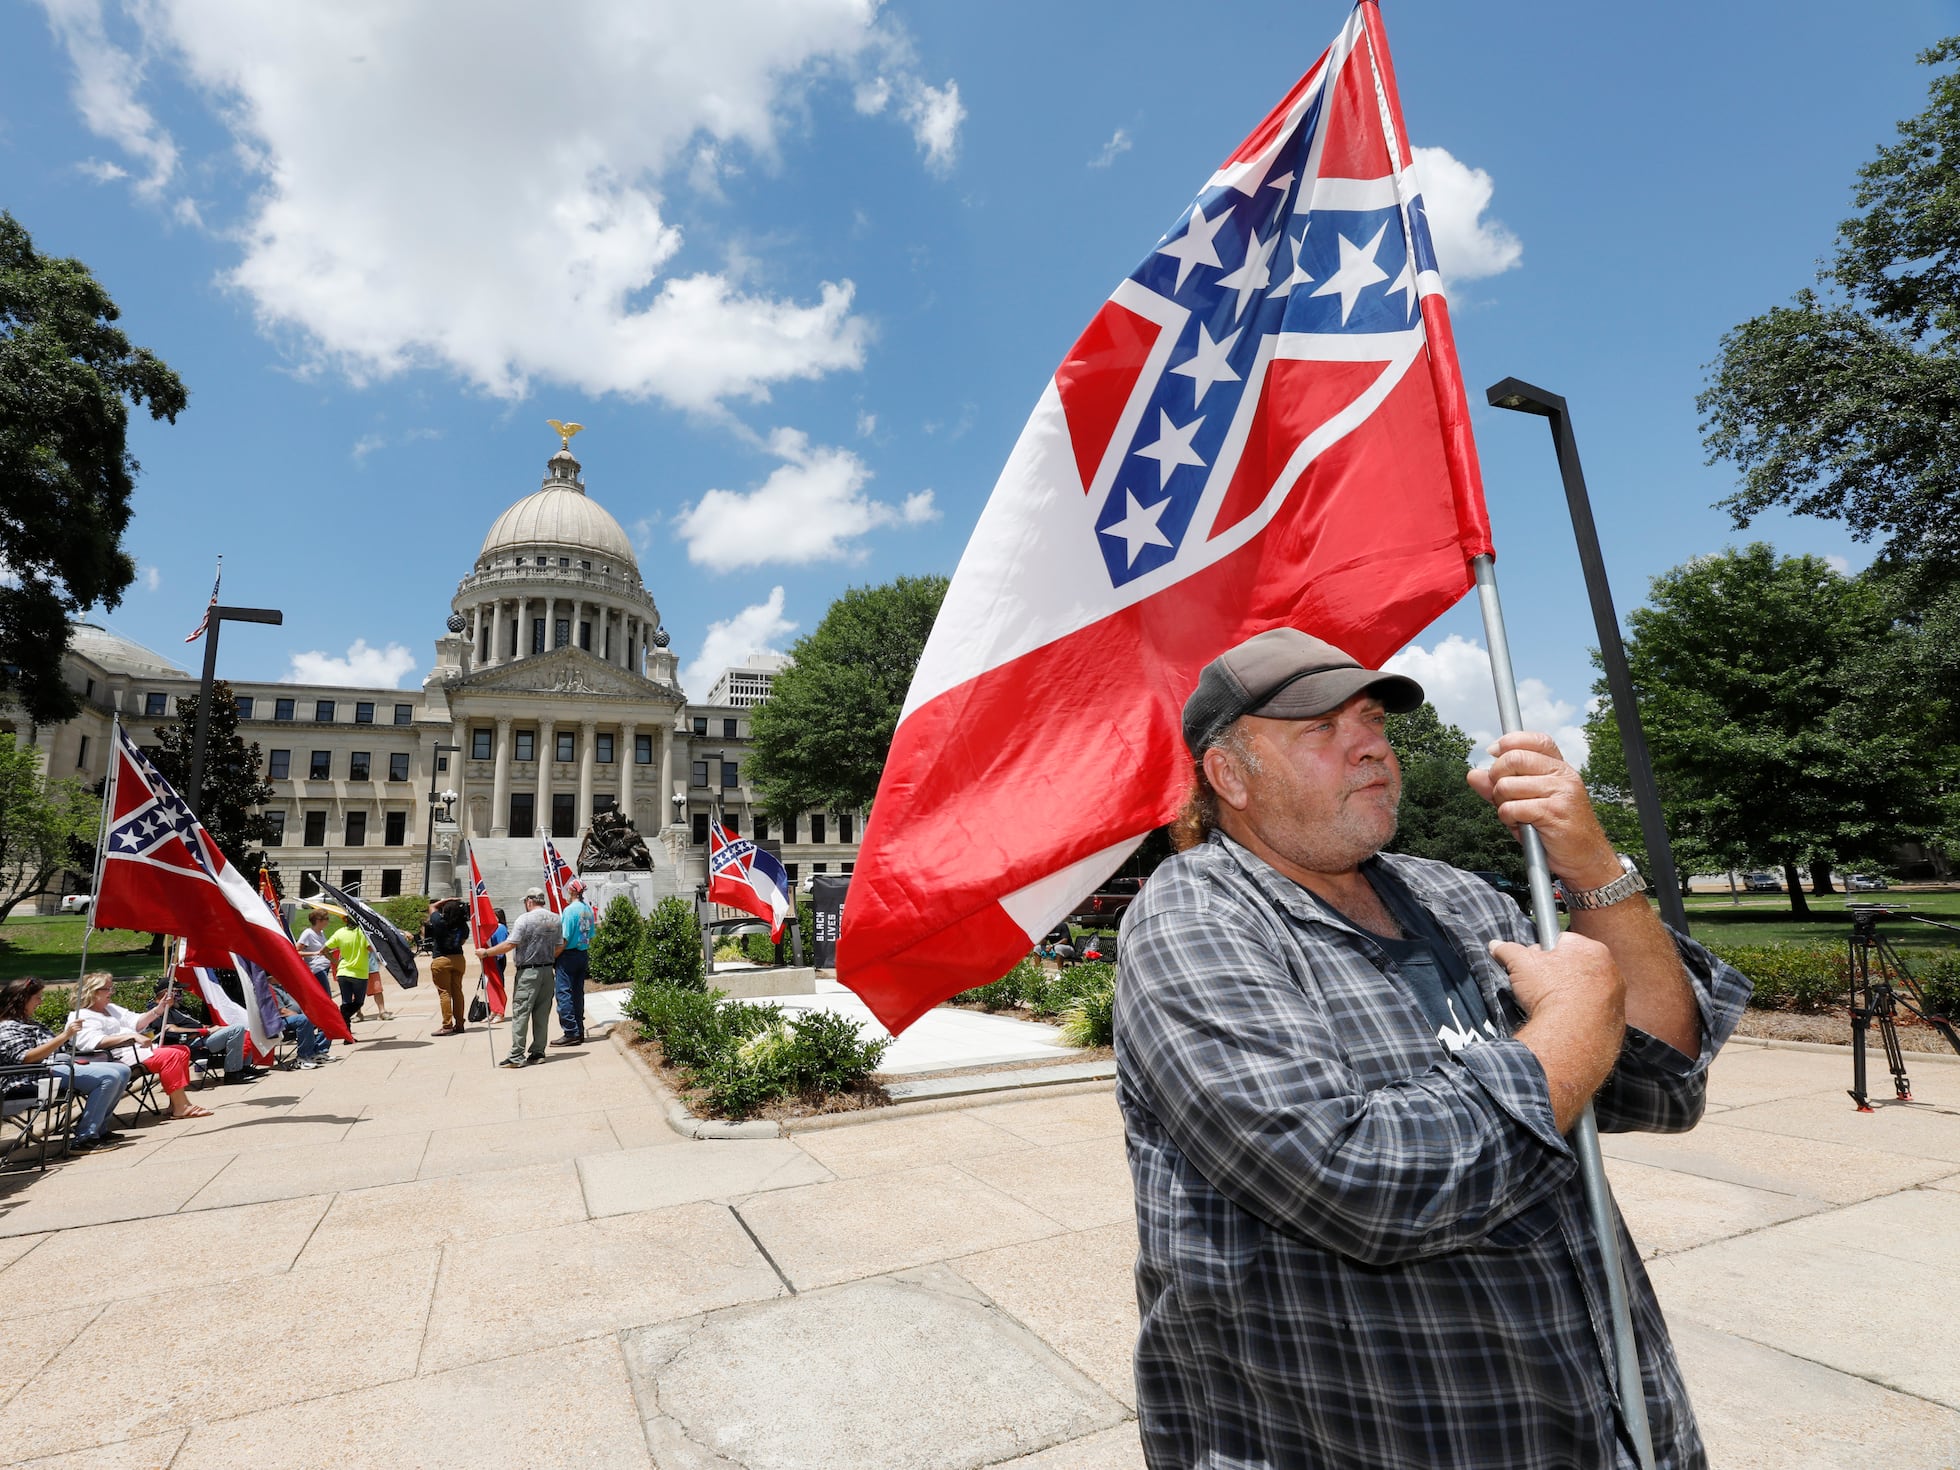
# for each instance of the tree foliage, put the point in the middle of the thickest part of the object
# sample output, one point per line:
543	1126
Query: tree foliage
1441	817
235	789
67	379
670	946
821	738
46	826
1768	691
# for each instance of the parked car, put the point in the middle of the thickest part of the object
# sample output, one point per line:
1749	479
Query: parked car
1099	947
1107	904
77	903
1866	883
1762	883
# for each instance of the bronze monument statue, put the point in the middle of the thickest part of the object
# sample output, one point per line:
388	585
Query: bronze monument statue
612	845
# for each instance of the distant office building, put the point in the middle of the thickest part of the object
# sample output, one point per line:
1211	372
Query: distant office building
746	685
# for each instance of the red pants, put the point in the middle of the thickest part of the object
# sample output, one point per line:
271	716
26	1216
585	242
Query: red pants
172	1064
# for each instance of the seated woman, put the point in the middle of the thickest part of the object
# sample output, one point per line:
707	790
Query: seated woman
222	1045
25	1042
109	1028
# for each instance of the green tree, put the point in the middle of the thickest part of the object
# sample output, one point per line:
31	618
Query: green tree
616	942
46	826
67	380
235	789
821	738
1441	817
670	945
1774	733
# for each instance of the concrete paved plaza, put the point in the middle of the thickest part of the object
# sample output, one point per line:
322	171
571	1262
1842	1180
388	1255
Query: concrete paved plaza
407	1258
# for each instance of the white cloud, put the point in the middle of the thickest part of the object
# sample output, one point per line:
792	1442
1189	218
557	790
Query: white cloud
101	170
1839	564
1119	143
490	199
152	578
1455	196
372	668
810	508
867	424
1455	675
760	628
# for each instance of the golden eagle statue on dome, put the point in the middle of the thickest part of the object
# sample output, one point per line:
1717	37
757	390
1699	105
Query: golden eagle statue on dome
564	432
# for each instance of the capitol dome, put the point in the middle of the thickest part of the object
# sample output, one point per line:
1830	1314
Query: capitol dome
560	516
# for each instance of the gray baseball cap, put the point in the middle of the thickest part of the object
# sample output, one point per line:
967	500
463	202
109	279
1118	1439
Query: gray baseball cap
1284	674
534	895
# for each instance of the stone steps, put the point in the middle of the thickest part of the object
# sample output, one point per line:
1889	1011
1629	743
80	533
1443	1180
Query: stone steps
512	864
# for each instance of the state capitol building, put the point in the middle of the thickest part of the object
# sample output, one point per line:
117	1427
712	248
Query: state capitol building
553	697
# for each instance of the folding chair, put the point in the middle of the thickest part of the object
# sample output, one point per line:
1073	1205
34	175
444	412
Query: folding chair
36	1110
145	1087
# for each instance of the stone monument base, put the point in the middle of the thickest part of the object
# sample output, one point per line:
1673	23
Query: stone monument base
758	984
637	884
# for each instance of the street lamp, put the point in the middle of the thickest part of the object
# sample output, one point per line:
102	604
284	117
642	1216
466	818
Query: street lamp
1522	397
437	803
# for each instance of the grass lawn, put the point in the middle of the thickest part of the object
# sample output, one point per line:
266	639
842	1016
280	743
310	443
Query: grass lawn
1765	918
50	946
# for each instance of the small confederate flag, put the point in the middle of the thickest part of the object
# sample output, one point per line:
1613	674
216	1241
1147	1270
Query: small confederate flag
557	873
744	877
1263	426
161	872
483	924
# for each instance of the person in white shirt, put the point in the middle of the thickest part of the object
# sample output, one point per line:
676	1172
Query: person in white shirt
121	1035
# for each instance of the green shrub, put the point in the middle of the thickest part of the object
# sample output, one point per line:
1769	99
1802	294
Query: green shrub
1061	993
827	1054
1790	977
1091	1021
1017	987
1939	977
405	911
730	949
759	949
670	945
616	942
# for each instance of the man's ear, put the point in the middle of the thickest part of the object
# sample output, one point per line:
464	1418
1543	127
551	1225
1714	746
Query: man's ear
1227	779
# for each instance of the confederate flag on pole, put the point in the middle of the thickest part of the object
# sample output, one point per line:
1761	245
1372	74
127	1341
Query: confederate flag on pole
483	924
557	873
744	877
162	872
1263	426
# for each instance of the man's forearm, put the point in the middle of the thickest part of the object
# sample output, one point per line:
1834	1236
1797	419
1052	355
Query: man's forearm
1660	999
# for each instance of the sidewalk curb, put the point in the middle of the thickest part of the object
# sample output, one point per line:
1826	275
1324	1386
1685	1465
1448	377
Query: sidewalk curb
1835	1048
673	1110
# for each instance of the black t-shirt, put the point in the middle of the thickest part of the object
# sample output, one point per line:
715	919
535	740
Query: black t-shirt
1428	965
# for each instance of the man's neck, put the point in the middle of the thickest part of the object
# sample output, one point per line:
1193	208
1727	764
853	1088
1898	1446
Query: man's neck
1347	891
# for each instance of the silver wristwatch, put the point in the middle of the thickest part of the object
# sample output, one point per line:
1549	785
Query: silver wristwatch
1620	889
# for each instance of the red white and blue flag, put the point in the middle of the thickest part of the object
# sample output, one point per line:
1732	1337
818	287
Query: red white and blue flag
483	924
744	877
161	872
1263	426
205	621
557	873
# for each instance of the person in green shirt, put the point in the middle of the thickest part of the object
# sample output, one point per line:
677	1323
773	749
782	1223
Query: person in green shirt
350	949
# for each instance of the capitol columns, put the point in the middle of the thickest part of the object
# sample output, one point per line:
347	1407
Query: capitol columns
460	738
500	787
626	752
547	749
588	742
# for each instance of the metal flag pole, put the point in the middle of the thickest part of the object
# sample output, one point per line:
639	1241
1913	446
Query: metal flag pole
102	830
1585	1136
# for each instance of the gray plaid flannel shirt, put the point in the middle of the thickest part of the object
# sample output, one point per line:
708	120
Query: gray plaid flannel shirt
1358	1250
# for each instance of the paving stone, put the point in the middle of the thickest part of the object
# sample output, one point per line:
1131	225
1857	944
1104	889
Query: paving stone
102	1263
905	1143
365	1223
908	1372
1760	1409
1112	1449
1746	1075
642	1126
564	1407
1051	1120
288	1129
1779	1162
1078	1185
150	1364
12	1248
516	1145
292	1173
152	1452
427	1116
1926	1129
821	1234
1669	1211
1076	1292
90	1197
515	1293
714	1169
34	1331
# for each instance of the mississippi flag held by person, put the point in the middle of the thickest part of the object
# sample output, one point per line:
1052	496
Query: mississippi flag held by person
557	873
483	924
744	877
1263	426
161	872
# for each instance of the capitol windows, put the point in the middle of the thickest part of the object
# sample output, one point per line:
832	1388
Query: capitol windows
700	829
760	828
282	709
585	635
586	566
642	750
816	827
394	832
561	632
526	743
278	765
728	730
565	561
323	711
480	745
275	829
404	714
364	712
357	829
357	765
523	808
244	703
398	766
789	829
537	631
564	814
730	777
700	774
700	724
391	882
789	871
153	703
483	643
566	746
843	826
603	749
315	834
320	767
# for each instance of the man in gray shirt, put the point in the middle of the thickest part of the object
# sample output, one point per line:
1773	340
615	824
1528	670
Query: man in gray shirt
536	939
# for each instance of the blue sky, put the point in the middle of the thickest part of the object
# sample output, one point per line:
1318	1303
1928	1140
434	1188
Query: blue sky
802	267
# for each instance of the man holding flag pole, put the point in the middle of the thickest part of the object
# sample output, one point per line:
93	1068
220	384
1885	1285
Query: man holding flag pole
1374	1226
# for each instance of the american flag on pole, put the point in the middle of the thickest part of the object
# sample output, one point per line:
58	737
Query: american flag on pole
205	621
1263	426
557	873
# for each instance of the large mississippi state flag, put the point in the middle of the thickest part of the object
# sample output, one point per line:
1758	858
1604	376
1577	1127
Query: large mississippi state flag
744	877
1264	425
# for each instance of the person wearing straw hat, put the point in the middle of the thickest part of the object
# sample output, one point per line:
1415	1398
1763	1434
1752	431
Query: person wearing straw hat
1346	1076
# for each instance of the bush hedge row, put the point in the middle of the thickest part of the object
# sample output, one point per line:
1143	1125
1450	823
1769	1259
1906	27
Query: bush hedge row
1081	997
1816	977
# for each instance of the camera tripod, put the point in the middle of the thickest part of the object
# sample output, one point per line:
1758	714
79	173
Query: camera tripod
1880	985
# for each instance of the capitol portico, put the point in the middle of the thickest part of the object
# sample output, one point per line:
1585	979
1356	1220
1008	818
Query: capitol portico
554	696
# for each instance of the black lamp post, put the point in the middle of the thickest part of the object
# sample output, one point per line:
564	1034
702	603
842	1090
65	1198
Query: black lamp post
437	803
216	618
1516	394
